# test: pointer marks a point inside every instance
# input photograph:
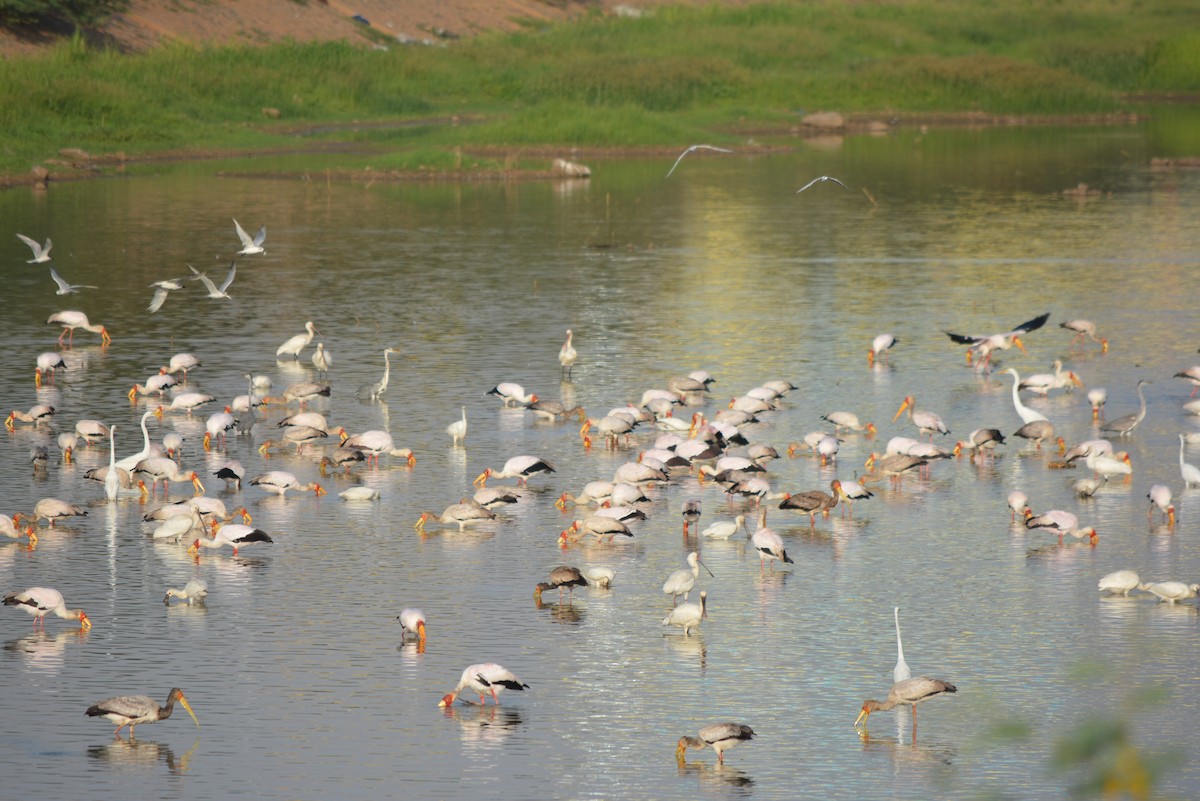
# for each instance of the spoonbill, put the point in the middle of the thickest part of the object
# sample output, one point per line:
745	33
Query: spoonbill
299	342
681	581
1120	582
567	355
688	616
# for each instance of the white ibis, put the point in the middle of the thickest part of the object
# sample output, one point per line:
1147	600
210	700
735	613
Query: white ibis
130	710
681	581
567	355
250	247
279	482
412	622
688	616
1120	582
909	691
720	737
483	679
561	576
293	346
195	591
42	601
521	468
458	429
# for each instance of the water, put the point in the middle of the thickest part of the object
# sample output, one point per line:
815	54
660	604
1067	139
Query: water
295	667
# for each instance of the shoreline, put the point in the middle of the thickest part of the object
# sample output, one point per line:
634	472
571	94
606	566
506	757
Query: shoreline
73	164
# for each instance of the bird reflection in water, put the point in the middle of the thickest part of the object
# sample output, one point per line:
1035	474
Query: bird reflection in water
141	755
689	648
43	651
566	613
482	724
718	776
910	753
1059	551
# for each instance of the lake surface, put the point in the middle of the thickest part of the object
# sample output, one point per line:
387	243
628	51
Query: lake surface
295	666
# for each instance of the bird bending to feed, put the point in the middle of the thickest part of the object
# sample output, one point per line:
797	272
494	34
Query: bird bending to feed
38	415
41	253
813	502
595	526
1082	330
1042	383
279	482
1160	496
376	443
359	493
1171	591
376	390
42	601
681	581
64	288
561	576
250	247
195	591
688	616
909	691
512	394
720	737
900	672
130	710
599	576
458	429
457	514
1097	397
1124	426
235	535
521	468
820	180
51	510
880	347
1060	522
567	355
213	290
294	345
70	320
483	679
848	421
412	621
47	363
13	531
983	345
1120	582
684	153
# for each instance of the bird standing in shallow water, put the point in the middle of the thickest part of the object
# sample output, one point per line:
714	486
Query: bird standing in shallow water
130	710
909	691
567	355
561	576
484	678
720	737
42	601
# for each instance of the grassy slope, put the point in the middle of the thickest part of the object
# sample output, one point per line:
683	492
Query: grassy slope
671	77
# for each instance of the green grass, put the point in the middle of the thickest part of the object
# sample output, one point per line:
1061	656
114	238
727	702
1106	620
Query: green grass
679	74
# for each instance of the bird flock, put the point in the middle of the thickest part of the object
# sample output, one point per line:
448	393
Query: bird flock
670	429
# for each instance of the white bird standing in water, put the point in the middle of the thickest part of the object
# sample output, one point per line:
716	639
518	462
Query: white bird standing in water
322	360
681	581
195	591
688	616
294	345
900	672
1120	582
250	246
1190	473
112	480
567	355
458	429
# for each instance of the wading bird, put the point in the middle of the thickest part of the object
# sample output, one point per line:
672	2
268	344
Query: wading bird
482	679
720	737
130	710
70	320
42	601
909	691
